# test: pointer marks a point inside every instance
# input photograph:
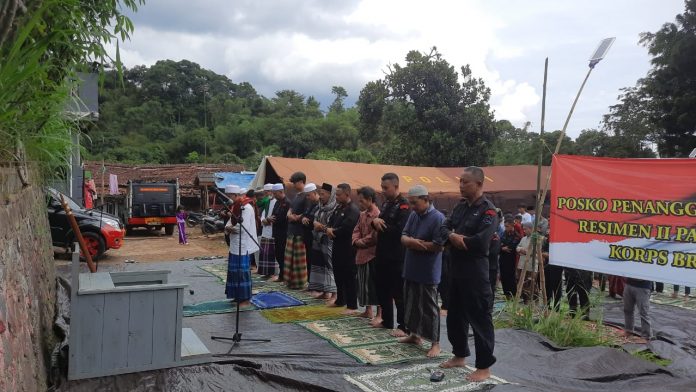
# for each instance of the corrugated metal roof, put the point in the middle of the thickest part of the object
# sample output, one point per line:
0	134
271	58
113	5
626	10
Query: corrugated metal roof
242	179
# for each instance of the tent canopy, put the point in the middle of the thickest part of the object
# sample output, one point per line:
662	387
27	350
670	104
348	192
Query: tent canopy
437	180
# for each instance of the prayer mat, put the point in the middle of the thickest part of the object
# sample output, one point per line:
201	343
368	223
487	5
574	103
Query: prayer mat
337	324
274	299
665	298
417	378
355	337
214	307
391	352
220	271
302	313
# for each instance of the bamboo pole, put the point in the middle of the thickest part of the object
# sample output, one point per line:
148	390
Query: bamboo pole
78	234
542	273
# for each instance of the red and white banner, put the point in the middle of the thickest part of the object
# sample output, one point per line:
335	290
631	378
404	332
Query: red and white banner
627	217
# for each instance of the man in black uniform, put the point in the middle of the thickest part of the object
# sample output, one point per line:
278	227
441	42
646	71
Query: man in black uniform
340	230
390	255
469	232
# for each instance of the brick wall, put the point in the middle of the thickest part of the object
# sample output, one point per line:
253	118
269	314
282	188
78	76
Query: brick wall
27	286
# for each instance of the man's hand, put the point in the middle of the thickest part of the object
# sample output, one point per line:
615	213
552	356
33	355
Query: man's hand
318	226
379	224
457	241
359	244
505	249
420	245
305	221
522	251
330	233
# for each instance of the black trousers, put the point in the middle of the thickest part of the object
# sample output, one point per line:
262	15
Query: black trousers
554	285
390	292
493	279
444	278
470	302
659	287
578	287
308	239
507	275
280	253
345	274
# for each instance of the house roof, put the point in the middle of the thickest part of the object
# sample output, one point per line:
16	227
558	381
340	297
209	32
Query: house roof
185	173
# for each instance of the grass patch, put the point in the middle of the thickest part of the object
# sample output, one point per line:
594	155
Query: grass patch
562	327
652	357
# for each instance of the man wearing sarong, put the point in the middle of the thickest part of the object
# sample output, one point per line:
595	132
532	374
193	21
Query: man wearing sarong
267	262
321	280
423	241
469	231
365	241
340	231
390	255
242	231
279	219
295	269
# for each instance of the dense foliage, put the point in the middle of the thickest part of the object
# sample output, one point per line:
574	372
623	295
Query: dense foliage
42	44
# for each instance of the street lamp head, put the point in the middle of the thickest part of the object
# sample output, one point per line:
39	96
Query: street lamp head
601	51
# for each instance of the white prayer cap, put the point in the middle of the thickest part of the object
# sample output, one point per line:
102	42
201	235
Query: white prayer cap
310	187
233	189
278	187
268	187
418	190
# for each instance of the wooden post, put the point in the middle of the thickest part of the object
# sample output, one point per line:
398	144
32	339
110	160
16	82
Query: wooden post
542	274
78	234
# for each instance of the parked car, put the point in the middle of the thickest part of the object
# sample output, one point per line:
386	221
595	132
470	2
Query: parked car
100	230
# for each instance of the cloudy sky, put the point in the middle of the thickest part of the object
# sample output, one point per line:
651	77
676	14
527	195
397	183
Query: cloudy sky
311	45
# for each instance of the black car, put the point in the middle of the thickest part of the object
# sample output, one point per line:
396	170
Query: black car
101	231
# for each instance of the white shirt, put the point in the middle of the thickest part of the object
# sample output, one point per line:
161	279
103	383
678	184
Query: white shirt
524	245
526	218
248	243
267	231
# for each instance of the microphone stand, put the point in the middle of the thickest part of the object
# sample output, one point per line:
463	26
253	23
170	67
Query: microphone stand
237	337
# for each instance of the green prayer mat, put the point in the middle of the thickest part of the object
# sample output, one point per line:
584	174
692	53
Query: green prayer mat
390	352
348	332
302	313
665	298
214	307
417	378
220	271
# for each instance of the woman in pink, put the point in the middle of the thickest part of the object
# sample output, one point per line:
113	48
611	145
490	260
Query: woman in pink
365	243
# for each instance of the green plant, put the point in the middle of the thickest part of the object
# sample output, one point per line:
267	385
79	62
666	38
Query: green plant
652	357
40	51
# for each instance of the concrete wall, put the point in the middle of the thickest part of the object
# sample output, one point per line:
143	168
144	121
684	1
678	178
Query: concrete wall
27	286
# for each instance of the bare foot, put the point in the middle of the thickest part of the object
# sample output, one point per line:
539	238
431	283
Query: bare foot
315	294
453	362
376	322
674	295
275	278
326	296
397	333
351	312
244	303
331	301
364	314
412	339
479	375
434	350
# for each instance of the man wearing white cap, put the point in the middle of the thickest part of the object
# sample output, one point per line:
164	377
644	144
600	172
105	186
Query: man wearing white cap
267	264
243	243
423	241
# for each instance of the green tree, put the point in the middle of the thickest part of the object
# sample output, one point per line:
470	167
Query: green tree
662	106
192	157
435	119
341	95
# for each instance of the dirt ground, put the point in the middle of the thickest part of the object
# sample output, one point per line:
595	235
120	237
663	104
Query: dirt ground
145	246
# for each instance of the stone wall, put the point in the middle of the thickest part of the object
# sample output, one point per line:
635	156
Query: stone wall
27	286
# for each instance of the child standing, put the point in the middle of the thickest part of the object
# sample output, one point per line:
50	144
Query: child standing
181	216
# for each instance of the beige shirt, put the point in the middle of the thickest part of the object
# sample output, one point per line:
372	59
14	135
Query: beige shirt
524	245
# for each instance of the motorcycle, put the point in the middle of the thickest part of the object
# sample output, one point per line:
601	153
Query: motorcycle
213	224
194	219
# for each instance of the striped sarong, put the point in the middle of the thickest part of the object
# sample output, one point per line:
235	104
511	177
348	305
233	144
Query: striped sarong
322	277
367	289
295	270
267	264
238	285
422	314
